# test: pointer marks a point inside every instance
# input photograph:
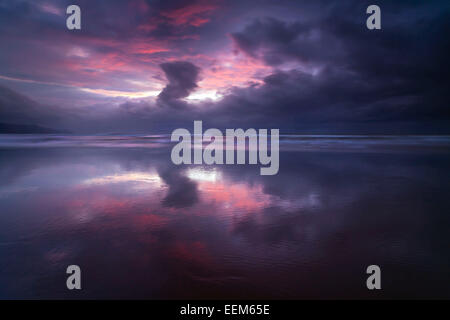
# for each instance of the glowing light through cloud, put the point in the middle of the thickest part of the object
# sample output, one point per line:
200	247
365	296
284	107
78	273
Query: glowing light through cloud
201	95
126	94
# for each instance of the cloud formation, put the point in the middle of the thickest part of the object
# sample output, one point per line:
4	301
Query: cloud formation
182	79
301	67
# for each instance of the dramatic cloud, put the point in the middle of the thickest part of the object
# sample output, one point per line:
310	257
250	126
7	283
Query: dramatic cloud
182	77
277	42
310	67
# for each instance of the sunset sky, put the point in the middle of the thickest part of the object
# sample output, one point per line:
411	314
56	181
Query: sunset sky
153	66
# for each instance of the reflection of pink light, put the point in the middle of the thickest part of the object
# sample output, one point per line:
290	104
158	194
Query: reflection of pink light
194	252
146	220
237	196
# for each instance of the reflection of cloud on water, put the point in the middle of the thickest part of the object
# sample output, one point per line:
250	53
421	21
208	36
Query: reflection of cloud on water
197	224
225	192
234	196
202	174
139	180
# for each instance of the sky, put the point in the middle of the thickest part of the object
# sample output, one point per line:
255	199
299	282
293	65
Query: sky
307	67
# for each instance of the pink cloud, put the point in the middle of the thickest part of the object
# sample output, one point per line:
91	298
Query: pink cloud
195	14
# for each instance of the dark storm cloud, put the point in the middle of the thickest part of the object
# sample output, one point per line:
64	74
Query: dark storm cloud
397	74
277	42
182	79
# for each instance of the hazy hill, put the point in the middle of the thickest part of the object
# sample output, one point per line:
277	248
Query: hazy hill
26	128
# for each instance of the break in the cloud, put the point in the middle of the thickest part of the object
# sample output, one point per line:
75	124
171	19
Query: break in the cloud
152	66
